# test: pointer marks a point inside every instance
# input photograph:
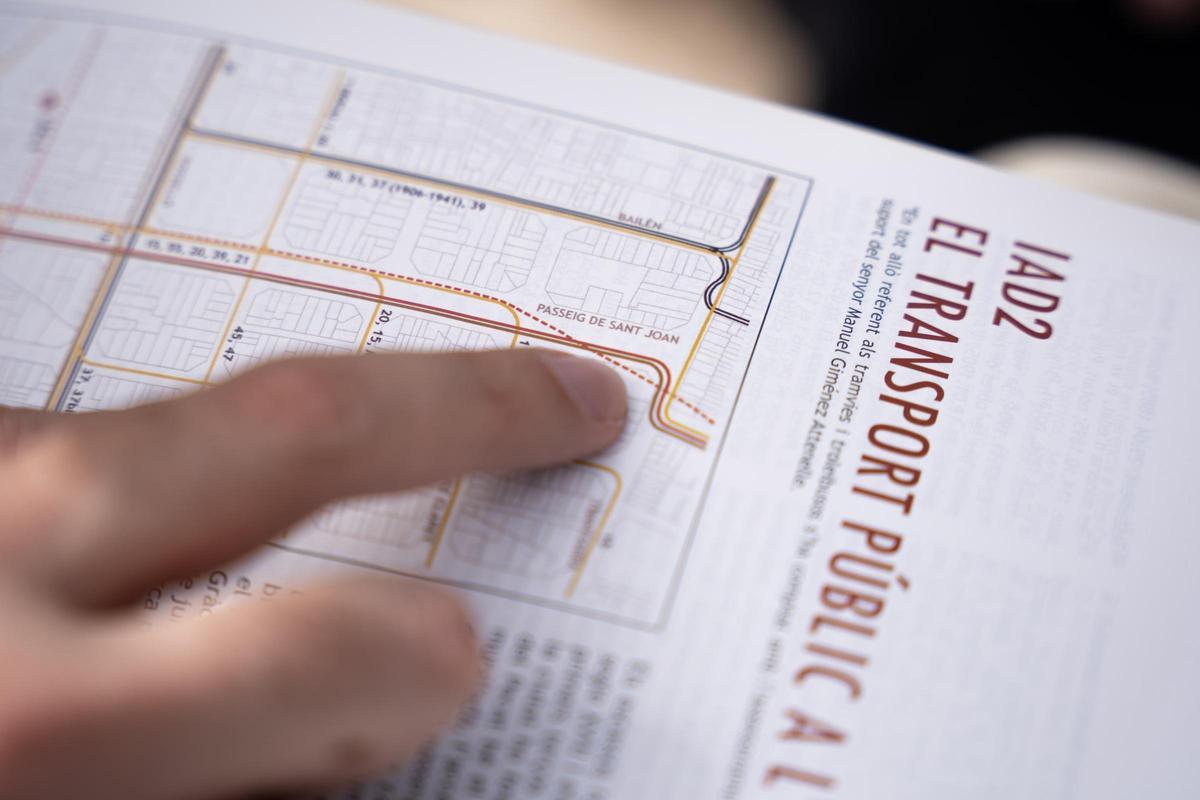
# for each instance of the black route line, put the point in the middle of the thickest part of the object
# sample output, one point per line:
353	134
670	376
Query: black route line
712	287
495	195
754	212
223	37
681	564
718	251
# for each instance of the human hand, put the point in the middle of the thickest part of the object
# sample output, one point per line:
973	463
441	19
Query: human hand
337	681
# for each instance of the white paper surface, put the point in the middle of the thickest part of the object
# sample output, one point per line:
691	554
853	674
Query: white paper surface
187	191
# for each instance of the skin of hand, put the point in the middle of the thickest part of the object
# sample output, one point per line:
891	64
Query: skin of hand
1166	12
335	682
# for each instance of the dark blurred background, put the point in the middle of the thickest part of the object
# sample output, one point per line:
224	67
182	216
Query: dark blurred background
1096	94
968	74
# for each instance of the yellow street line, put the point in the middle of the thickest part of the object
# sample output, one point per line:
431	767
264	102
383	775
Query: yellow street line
116	228
466	293
362	343
712	311
467	192
441	531
322	116
145	372
595	539
60	384
18	210
458	293
111	270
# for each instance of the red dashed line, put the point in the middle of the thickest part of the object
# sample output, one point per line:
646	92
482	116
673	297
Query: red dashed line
374	271
504	303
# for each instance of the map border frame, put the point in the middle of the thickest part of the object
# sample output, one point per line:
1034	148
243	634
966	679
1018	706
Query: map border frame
215	37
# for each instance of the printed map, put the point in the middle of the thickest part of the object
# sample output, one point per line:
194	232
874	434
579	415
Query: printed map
176	209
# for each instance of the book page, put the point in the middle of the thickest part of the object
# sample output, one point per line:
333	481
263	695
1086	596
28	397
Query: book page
902	506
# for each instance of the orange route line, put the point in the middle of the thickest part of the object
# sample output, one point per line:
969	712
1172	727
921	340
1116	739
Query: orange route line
356	268
664	403
479	295
513	309
376	272
700	439
379	274
673	398
601	351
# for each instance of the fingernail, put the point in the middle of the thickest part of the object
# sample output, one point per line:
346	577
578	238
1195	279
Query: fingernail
594	387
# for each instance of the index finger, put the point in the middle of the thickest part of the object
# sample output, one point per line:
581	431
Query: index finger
120	500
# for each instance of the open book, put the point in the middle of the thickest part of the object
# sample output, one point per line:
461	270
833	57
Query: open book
904	508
